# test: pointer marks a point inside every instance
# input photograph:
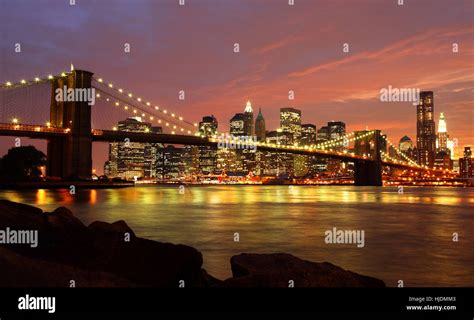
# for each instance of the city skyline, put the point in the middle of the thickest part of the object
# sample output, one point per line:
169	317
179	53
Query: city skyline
328	83
317	146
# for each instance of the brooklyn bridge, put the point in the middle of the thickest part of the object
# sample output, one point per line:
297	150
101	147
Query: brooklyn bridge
71	127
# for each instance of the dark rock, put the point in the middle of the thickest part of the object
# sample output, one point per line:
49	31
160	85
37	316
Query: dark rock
276	270
147	262
102	255
20	271
120	227
102	247
208	281
62	222
21	216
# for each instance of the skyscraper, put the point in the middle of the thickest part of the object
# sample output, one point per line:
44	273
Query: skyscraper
425	129
290	121
260	126
466	164
152	165
405	144
467	152
279	163
129	160
249	129
322	135
442	142
237	125
173	162
337	130
308	134
208	126
208	155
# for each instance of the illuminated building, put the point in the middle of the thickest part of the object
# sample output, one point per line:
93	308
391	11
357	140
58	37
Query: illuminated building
442	141
208	155
237	124
305	164
337	130
467	152
466	164
208	126
322	135
260	126
249	129
191	159
451	144
405	145
443	160
132	160
227	161
152	167
172	162
278	163
308	134
425	129
290	121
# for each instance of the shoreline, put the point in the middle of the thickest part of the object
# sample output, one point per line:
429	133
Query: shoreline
54	185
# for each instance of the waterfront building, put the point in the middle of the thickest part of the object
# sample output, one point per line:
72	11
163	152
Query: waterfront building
249	129
260	126
425	129
466	164
442	139
208	155
290	121
133	160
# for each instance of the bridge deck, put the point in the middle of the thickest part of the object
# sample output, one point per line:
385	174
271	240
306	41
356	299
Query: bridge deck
45	132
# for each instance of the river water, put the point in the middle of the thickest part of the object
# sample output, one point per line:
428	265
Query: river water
408	236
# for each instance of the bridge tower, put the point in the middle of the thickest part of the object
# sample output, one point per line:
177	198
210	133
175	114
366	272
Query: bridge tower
70	157
368	172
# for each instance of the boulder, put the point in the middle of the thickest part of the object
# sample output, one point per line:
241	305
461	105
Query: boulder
118	227
62	223
21	216
21	271
276	270
101	247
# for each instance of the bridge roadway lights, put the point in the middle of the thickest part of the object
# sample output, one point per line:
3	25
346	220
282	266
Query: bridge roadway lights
368	173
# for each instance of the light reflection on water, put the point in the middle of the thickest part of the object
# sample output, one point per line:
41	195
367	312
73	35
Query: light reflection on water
407	236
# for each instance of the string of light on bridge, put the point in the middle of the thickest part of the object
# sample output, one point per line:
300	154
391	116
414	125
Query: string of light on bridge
36	80
413	163
156	108
118	103
336	142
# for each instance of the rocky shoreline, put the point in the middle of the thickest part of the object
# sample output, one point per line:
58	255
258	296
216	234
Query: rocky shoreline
111	255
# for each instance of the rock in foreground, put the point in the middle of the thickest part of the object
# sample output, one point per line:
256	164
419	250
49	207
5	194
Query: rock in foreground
277	270
69	250
111	255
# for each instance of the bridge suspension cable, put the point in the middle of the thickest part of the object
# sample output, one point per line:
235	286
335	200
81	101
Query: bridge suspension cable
30	82
172	117
403	155
140	111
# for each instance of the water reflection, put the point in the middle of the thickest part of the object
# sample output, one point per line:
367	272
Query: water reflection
408	236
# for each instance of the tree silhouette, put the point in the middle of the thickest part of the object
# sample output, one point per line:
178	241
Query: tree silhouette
22	164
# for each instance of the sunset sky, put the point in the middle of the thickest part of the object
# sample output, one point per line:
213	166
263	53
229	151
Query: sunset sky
282	48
